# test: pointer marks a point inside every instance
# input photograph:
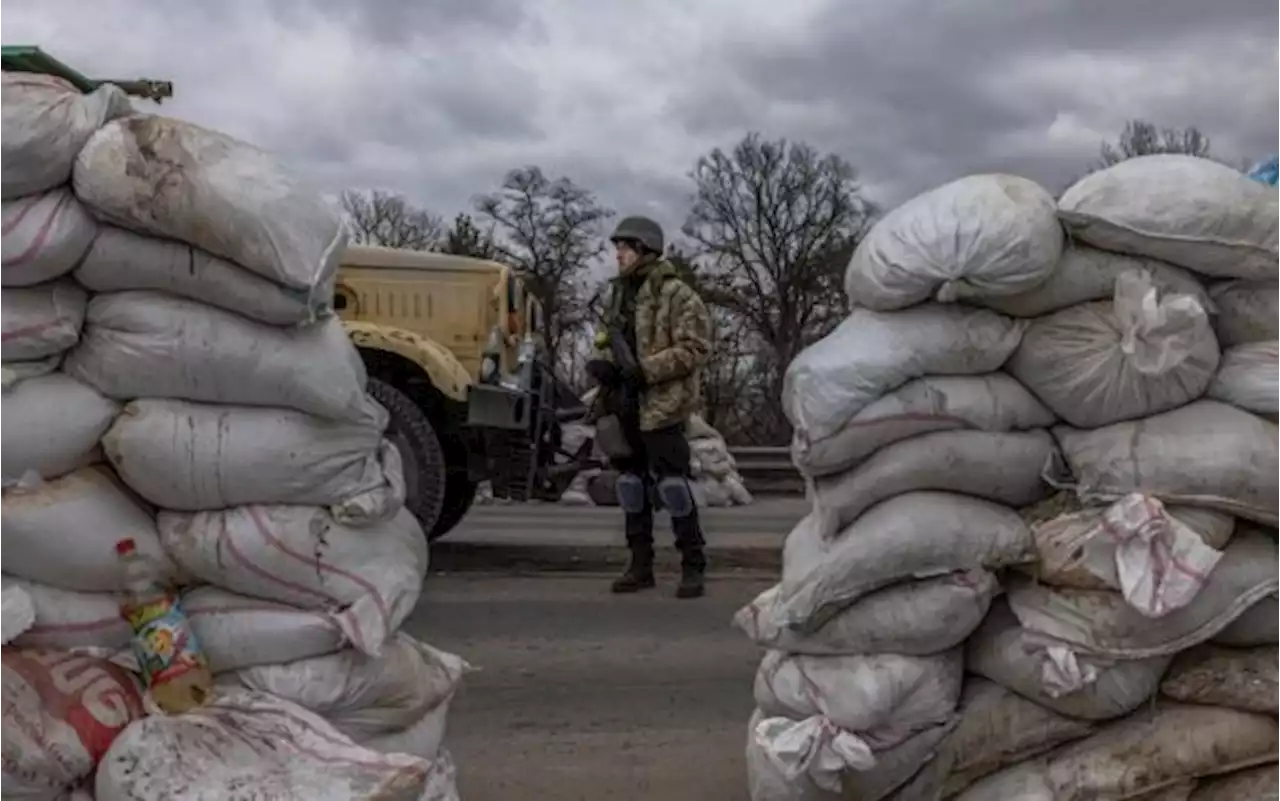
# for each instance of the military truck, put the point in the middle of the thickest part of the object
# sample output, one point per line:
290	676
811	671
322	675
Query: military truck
453	351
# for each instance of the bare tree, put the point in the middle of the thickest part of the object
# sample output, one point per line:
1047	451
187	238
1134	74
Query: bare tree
549	230
383	218
464	238
1142	138
774	223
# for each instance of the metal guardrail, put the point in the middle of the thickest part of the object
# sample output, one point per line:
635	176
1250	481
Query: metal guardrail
767	470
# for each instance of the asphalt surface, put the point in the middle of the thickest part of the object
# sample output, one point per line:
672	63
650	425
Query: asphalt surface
585	696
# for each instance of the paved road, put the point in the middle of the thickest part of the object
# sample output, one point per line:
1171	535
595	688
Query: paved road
584	696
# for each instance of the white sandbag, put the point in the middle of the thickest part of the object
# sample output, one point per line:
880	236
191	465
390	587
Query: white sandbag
916	535
1102	623
882	698
192	457
65	619
237	631
40	321
1259	625
999	728
422	738
1014	658
51	425
977	236
1206	454
369	578
44	237
148	344
275	225
64	532
362	696
1248	311
61	713
696	427
1074	548
243	741
1185	210
121	260
811	761
738	492
14	373
1156	561
992	402
914	618
46	122
999	466
713	492
1084	274
1249	377
1138	355
1238	678
1261	783
873	353
1144	753
17	613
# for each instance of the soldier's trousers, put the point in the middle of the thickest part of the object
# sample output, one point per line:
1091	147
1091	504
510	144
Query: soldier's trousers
658	468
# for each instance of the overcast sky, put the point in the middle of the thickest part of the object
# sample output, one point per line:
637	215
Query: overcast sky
438	98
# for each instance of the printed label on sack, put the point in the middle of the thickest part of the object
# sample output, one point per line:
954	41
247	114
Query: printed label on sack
163	642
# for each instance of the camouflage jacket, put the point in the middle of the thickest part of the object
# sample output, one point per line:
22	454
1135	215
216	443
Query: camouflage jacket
673	333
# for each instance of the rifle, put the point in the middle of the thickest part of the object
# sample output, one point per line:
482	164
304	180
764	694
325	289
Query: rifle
620	402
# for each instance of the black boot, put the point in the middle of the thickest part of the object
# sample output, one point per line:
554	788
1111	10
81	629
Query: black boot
693	557
639	573
692	574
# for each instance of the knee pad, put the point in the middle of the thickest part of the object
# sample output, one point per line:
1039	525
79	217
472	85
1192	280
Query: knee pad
631	491
675	495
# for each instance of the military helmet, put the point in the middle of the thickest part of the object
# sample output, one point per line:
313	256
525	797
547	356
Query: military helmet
639	229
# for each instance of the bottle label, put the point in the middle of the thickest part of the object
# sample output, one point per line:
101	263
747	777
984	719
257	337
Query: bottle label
163	642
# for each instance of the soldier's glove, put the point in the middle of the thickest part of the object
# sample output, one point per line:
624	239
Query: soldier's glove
605	372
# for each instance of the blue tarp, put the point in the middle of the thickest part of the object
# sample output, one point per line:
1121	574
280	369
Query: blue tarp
1266	171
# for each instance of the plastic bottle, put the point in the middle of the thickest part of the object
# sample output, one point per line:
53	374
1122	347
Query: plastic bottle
174	668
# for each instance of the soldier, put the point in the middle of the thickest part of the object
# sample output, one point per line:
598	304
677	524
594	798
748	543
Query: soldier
650	384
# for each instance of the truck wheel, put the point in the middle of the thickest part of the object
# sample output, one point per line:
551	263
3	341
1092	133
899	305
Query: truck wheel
459	493
424	463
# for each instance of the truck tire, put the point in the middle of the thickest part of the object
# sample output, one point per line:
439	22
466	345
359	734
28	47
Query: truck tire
424	461
459	493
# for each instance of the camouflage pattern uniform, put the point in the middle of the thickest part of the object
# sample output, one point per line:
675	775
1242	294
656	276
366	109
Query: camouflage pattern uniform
667	327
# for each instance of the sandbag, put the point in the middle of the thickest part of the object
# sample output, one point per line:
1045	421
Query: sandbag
46	122
237	631
1185	210
1004	652
243	741
1138	355
999	466
1249	377
999	728
423	738
368	579
40	321
275	225
17	614
361	696
977	236
1101	623
1256	784
121	260
1259	625
14	373
992	402
1239	678
872	353
1144	753
1206	454
191	457
915	535
883	699
1248	311
61	713
914	618
1074	549
44	237
65	619
64	532
51	425
1084	274
147	344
